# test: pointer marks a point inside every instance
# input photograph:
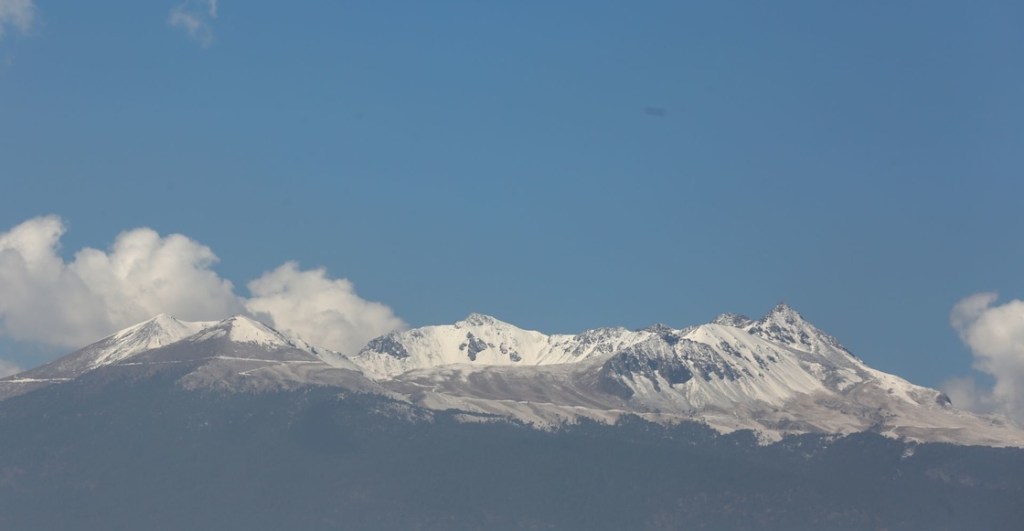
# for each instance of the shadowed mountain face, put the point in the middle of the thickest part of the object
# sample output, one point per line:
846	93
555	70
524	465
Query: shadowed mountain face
236	426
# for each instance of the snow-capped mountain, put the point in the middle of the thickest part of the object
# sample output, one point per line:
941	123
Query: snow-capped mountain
151	334
777	375
253	339
241	353
483	340
165	340
148	335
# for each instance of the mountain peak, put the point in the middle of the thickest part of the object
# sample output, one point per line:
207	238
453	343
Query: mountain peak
243	329
162	317
658	328
479	319
785	311
785	316
785	325
155	332
732	319
162	320
244	320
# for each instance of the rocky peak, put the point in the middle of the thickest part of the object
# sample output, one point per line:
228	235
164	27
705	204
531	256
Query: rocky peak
784	325
479	319
732	319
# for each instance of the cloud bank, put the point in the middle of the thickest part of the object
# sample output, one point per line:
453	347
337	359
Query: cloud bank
195	18
995	335
17	14
48	300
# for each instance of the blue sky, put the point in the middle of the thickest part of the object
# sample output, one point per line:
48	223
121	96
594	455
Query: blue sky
561	166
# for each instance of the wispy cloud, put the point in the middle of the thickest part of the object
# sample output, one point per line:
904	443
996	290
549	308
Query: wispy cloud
16	14
49	300
195	18
995	335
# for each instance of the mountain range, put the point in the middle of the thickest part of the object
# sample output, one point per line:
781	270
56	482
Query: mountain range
776	376
735	424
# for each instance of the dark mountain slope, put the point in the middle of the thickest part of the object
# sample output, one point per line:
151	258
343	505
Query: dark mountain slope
122	449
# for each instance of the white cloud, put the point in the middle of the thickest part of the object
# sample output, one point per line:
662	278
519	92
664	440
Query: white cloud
7	368
969	309
46	299
195	18
17	14
995	335
323	311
